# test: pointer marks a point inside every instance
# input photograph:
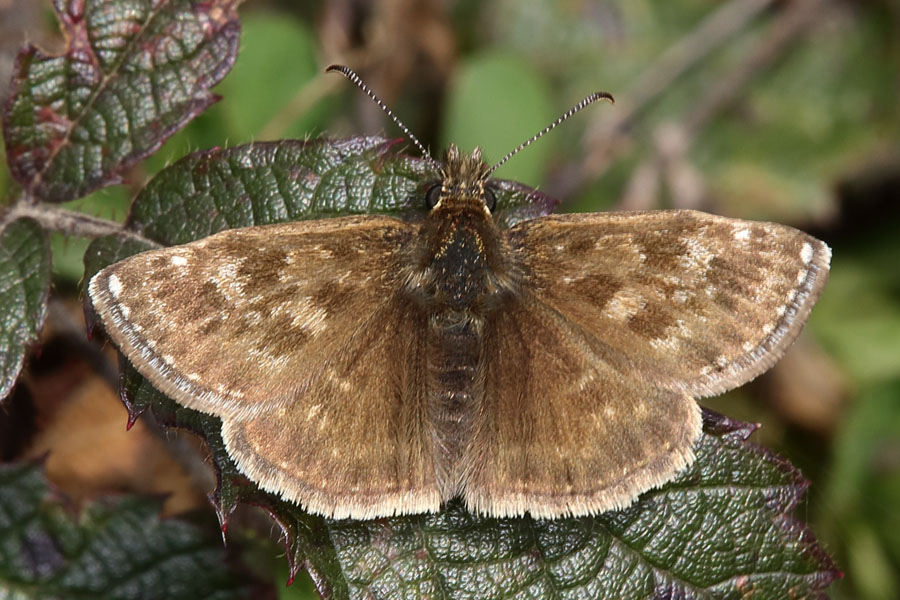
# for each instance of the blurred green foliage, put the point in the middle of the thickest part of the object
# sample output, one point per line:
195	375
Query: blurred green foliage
822	113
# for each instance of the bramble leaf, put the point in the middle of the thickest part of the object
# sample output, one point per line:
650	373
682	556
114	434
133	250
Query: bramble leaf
117	549
133	73
721	529
275	182
24	285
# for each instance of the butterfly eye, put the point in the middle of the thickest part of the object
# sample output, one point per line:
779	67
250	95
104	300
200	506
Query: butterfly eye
433	195
490	200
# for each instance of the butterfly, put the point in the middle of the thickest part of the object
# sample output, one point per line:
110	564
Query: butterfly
367	366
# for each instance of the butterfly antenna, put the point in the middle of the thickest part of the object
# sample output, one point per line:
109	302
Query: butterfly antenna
352	76
586	102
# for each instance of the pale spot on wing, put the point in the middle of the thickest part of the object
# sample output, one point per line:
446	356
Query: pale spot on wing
193	376
313	411
178	261
748	346
585	380
168	359
228	283
675	334
224	390
126	312
801	276
768	328
339	381
309	317
806	253
115	286
625	304
742	234
322	252
721	361
698	256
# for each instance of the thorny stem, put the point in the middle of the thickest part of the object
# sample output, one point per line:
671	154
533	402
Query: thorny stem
714	31
70	222
786	29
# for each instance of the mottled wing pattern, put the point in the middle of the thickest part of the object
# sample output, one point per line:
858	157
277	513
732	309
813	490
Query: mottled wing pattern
693	302
358	444
567	425
296	337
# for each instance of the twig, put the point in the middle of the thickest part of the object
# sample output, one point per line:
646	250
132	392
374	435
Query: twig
673	141
319	87
54	218
680	57
715	30
786	29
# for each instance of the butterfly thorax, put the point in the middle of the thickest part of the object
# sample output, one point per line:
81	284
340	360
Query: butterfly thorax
460	265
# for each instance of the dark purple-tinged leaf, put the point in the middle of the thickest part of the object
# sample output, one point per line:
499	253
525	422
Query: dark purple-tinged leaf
132	74
24	285
113	549
722	529
274	182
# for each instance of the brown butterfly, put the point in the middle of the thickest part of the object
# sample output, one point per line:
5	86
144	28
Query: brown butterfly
367	366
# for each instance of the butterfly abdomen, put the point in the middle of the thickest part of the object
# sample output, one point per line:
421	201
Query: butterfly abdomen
454	353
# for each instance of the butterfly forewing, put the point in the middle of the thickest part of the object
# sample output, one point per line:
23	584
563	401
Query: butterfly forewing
257	324
692	301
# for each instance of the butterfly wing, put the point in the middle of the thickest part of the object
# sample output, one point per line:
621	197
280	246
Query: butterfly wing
624	318
695	302
296	336
567	426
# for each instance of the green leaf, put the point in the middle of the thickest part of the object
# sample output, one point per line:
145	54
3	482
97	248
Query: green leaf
133	73
24	286
278	55
112	550
275	182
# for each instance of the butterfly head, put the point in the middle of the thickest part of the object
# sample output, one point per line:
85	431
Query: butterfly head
462	187
460	254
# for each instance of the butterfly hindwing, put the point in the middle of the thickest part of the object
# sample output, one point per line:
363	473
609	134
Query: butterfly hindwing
356	441
566	427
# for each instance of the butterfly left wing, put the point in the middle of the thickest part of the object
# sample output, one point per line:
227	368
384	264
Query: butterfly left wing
695	302
298	338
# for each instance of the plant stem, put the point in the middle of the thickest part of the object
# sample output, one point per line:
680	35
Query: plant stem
70	222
